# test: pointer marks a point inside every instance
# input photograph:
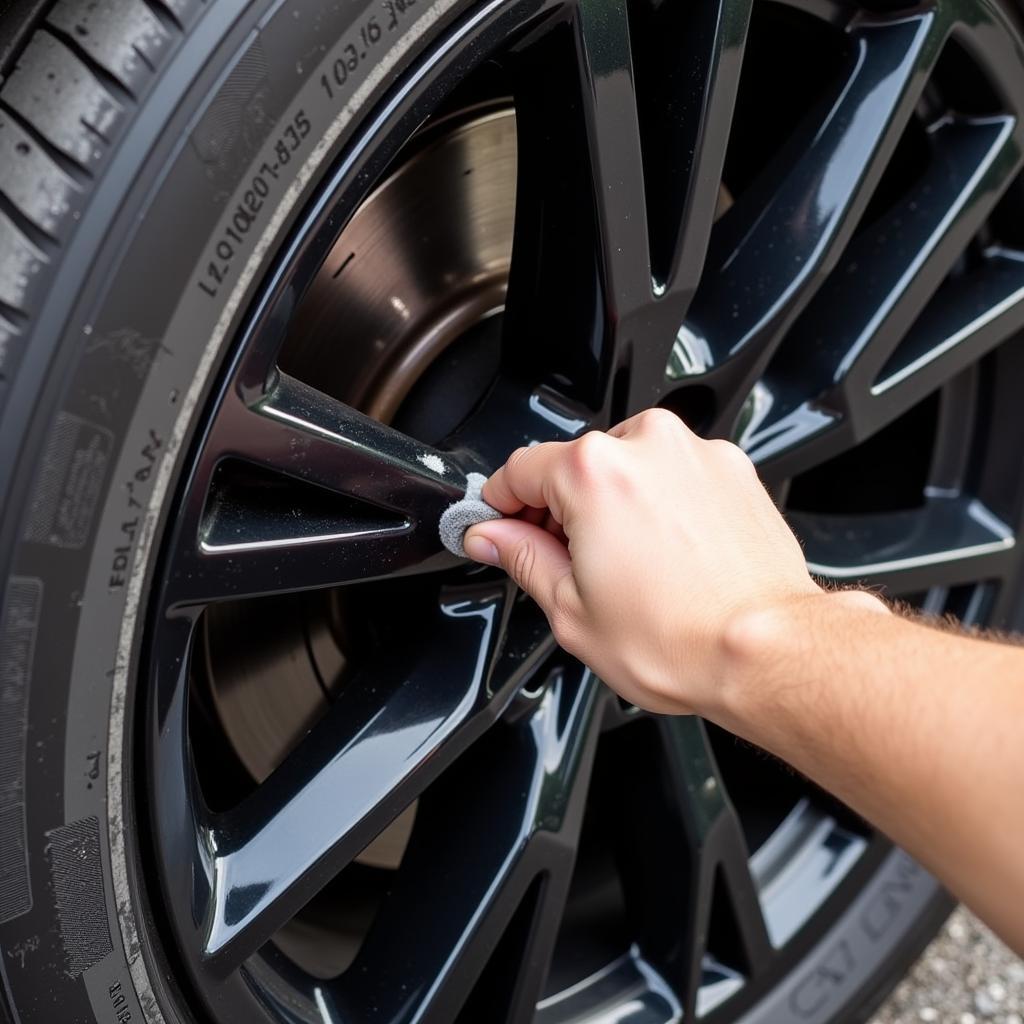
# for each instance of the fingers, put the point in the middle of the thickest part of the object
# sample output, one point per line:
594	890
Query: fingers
553	475
535	559
525	481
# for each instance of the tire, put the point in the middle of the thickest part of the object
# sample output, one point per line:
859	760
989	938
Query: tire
132	134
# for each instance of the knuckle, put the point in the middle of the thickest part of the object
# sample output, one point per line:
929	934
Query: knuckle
517	457
660	420
590	453
563	628
523	563
621	477
734	455
564	614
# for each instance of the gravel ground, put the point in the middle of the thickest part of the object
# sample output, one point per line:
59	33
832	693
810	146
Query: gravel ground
966	976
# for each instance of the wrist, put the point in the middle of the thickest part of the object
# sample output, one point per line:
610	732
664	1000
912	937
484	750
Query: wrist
774	656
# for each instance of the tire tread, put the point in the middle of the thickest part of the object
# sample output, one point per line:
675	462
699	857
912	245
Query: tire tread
32	182
74	83
120	38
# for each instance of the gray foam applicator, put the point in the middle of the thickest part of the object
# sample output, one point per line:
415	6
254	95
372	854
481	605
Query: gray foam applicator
458	518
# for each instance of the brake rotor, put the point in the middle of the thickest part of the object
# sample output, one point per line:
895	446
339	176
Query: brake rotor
423	260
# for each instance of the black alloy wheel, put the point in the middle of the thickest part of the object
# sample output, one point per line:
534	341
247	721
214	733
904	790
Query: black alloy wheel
299	763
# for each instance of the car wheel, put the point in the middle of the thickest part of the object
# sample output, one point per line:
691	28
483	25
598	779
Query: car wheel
274	277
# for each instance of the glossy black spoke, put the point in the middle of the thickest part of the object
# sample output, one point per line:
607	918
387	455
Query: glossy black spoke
688	61
690	841
605	67
511	417
300	432
299	491
392	730
965	321
344	551
580	263
790	240
900	263
783	440
950	541
820	395
498	852
689	58
888	275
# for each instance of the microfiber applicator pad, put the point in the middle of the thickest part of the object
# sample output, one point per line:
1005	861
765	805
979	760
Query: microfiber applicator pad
458	518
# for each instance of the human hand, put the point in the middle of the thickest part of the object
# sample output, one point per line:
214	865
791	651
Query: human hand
661	561
643	545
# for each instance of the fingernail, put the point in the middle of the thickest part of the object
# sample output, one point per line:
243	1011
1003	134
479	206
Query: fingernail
480	549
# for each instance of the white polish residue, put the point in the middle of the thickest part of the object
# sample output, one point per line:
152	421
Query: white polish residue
434	463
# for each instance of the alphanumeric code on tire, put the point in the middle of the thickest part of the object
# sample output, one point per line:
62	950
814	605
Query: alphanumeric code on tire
295	137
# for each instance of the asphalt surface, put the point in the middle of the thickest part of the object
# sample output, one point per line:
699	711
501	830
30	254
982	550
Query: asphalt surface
966	976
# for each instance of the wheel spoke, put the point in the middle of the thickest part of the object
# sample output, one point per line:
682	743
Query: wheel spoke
518	805
947	542
301	432
691	846
849	331
605	63
818	395
784	441
392	730
964	322
688	70
973	164
510	417
334	547
298	491
580	264
789	254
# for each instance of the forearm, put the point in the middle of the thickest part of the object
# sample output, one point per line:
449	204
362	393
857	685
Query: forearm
916	729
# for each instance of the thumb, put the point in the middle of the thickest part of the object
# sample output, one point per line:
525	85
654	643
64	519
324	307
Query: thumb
535	558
